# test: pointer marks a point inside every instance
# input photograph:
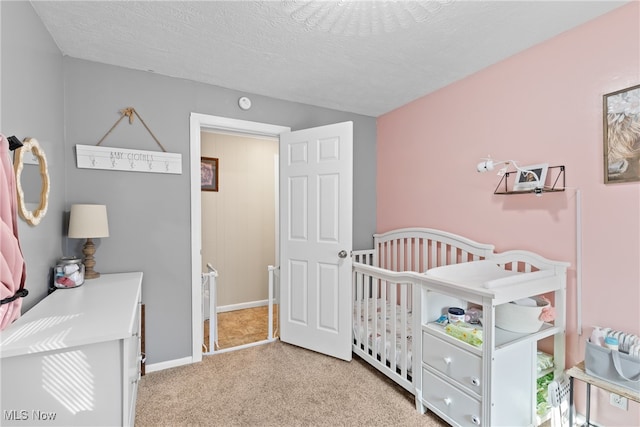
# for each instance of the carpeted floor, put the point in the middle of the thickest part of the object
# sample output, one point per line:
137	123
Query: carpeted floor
275	385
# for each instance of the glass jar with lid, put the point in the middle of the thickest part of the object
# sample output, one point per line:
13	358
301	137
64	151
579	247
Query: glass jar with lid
69	273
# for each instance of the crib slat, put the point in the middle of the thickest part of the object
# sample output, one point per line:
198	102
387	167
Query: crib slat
359	283
392	327
443	254
382	312
434	254
404	359
387	257
366	290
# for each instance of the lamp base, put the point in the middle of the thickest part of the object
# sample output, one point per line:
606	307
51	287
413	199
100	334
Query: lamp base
88	250
91	274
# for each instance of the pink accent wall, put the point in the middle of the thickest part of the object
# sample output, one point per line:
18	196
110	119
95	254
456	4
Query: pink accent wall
543	105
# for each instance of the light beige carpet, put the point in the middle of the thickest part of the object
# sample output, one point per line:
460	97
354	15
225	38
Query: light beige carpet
275	384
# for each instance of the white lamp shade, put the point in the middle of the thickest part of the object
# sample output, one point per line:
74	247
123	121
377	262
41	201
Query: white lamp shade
88	221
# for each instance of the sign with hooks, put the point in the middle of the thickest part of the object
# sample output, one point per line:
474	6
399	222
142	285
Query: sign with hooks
123	159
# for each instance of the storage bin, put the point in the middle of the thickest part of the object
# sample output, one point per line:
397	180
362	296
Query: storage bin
613	366
521	318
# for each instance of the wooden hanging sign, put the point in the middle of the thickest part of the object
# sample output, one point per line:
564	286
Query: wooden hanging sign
122	159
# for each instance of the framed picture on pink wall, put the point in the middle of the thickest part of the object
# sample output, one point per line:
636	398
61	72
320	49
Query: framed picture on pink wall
621	111
208	174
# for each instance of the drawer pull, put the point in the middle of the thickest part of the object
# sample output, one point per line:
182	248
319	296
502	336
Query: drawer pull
475	381
475	419
447	360
447	401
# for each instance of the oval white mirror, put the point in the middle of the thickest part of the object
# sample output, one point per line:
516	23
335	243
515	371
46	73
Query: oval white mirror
32	145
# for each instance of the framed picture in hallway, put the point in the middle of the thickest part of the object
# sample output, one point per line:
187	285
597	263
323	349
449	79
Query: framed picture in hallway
208	174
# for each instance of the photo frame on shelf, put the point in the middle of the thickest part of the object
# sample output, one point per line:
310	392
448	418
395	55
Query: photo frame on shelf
208	174
621	125
525	179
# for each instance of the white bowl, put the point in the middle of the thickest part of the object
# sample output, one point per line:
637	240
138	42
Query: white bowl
522	316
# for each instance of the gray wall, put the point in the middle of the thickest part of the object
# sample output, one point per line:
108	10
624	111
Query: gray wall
31	101
149	214
64	101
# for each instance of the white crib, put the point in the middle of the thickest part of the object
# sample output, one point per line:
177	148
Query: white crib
382	308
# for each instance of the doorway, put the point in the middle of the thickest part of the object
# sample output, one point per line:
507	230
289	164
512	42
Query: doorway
198	124
239	226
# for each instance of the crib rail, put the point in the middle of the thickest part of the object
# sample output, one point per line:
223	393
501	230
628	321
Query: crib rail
527	262
419	249
366	256
382	327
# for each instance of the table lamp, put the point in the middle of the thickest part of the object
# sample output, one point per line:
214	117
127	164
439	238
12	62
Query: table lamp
88	222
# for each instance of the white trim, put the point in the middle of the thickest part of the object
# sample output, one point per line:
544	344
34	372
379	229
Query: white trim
276	178
168	364
579	260
243	305
199	122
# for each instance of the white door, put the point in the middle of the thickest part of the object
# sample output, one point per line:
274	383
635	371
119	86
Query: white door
316	180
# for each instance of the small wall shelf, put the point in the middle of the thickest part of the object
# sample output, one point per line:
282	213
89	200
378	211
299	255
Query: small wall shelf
556	176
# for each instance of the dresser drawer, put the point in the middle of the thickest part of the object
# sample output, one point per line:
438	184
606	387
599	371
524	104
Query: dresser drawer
451	402
452	361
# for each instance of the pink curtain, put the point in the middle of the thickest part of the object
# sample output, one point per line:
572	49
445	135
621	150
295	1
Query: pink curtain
12	266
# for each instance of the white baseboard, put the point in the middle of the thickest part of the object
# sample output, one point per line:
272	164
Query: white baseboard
168	364
241	306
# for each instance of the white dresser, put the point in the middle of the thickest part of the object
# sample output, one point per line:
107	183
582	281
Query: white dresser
74	358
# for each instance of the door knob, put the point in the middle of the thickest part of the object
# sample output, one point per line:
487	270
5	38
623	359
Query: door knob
342	254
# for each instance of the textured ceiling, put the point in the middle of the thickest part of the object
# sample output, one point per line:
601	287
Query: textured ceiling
363	57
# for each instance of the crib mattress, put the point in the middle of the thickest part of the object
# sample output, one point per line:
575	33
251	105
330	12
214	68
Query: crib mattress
383	315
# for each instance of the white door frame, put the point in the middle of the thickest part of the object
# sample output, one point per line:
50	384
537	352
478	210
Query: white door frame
197	123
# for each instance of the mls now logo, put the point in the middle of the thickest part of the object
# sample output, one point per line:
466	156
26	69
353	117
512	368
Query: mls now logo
24	415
